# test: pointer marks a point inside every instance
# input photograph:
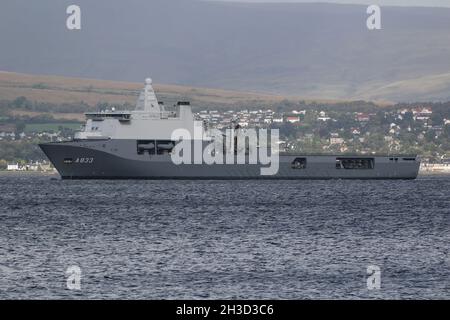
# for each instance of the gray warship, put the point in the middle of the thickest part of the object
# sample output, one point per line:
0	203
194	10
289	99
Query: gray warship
138	144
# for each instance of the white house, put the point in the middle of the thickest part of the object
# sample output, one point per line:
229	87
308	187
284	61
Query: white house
13	167
336	140
323	116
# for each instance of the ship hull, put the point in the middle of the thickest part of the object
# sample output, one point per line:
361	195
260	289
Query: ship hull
118	159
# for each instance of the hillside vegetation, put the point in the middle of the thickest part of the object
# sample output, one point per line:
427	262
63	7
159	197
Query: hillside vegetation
68	94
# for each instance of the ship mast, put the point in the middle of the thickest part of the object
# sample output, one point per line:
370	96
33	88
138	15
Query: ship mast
147	99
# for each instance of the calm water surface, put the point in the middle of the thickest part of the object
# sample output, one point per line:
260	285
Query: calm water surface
224	239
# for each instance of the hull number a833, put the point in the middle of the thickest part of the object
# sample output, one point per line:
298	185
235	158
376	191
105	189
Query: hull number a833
84	160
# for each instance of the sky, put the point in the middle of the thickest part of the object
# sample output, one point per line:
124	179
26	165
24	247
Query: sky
424	3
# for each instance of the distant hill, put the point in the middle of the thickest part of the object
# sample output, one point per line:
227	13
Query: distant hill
306	50
57	89
65	91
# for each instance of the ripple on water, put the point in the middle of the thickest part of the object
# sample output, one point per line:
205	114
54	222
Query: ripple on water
224	239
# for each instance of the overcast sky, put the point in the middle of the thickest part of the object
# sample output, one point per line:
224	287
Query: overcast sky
425	3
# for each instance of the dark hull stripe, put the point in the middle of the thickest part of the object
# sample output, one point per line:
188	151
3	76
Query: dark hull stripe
110	165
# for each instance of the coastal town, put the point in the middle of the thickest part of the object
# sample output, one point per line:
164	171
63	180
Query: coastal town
410	129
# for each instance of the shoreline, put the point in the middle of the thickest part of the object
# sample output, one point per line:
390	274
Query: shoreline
42	173
422	173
